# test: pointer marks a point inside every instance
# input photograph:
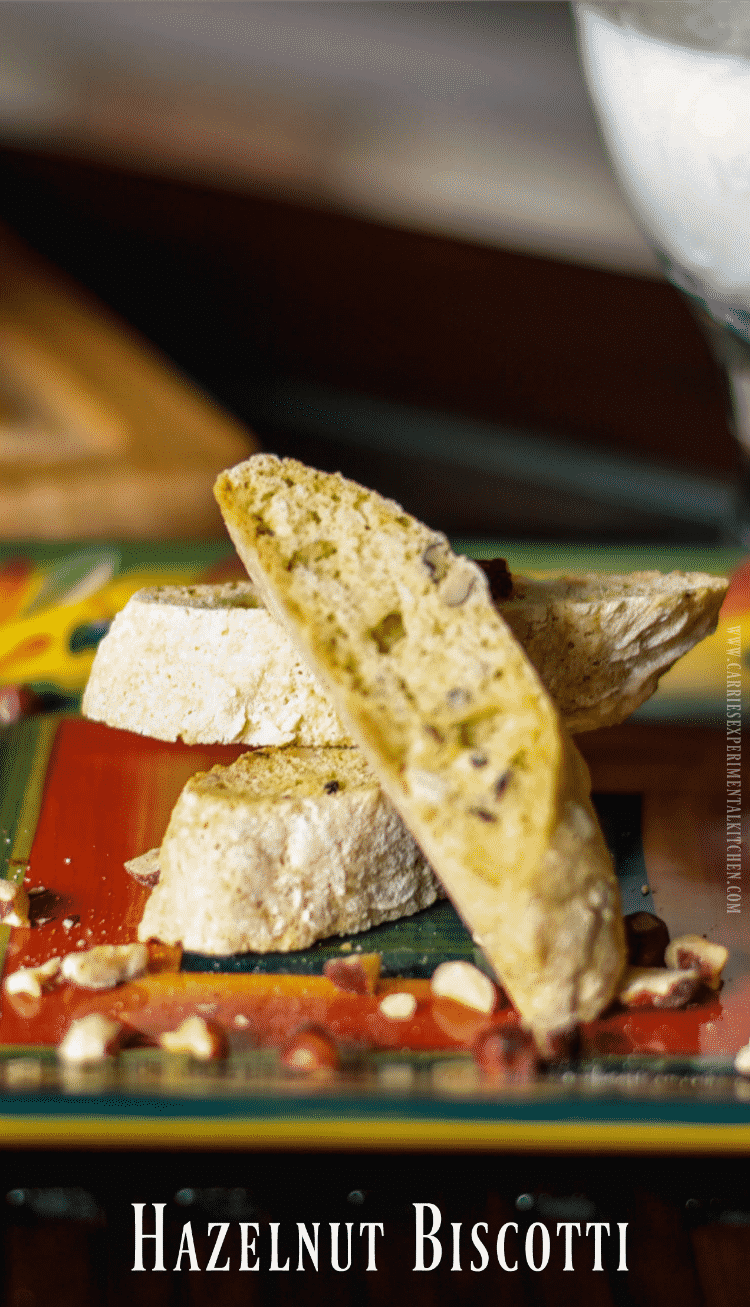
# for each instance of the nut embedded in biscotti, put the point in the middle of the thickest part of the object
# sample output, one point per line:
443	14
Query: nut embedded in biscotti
204	1040
105	965
696	953
32	980
14	905
357	974
311	1051
398	1006
458	585
646	937
466	984
90	1039
436	559
658	987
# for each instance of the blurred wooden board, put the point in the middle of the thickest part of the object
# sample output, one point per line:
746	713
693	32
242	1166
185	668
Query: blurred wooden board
99	436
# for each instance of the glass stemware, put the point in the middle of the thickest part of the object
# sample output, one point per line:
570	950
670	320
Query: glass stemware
670	84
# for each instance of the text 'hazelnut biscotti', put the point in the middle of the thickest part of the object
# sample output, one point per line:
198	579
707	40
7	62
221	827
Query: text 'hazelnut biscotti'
280	849
453	719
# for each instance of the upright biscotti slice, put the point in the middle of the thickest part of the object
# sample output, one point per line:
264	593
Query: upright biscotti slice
207	664
280	849
454	720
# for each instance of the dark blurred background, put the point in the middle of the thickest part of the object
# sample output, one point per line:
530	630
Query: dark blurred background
386	237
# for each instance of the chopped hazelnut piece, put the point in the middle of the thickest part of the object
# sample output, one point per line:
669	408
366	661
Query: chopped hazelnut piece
466	984
14	905
145	868
647	937
399	1006
311	1051
105	965
204	1040
357	974
658	987
506	1053
32	980
90	1039
699	954
498	574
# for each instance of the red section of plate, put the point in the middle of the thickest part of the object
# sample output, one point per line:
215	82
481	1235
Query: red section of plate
107	798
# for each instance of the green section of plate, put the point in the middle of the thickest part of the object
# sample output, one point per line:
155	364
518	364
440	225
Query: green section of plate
24	755
544	557
521	555
414	946
132	554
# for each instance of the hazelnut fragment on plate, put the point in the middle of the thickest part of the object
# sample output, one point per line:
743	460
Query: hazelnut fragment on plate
105	965
358	973
204	1040
398	1006
658	987
311	1051
699	954
145	868
506	1053
91	1039
14	905
32	980
646	938
464	983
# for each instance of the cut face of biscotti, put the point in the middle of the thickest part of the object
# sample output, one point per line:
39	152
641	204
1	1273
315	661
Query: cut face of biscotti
452	717
601	642
207	664
280	849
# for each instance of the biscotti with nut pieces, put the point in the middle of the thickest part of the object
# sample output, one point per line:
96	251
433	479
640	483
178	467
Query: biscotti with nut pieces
454	721
280	849
206	664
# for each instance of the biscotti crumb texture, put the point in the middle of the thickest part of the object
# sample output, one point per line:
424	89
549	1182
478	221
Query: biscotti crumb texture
206	663
454	720
601	642
280	849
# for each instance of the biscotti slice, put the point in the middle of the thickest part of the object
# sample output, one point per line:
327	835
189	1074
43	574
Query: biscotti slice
280	849
600	642
206	664
454	720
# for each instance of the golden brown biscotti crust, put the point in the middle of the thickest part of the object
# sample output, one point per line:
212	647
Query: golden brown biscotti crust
454	720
